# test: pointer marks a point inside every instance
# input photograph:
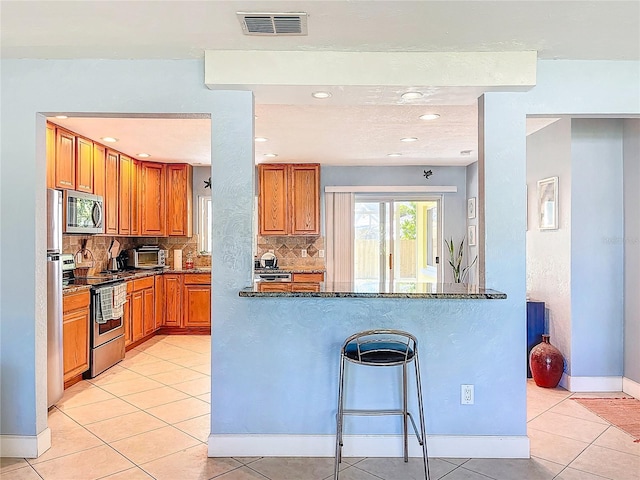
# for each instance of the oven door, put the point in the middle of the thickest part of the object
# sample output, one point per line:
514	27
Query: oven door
109	329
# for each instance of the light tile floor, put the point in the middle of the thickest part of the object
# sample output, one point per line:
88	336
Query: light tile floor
148	417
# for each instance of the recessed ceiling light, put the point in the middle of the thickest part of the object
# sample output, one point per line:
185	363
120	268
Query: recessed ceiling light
409	139
412	95
465	152
109	139
429	116
61	116
394	154
270	155
260	139
144	155
321	94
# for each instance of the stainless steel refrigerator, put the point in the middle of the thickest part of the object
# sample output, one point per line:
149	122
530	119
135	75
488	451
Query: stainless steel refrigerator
55	372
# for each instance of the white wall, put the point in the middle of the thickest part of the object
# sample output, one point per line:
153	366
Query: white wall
597	255
632	250
549	251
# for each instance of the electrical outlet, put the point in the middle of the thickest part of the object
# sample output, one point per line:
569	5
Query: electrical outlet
466	394
303	252
321	253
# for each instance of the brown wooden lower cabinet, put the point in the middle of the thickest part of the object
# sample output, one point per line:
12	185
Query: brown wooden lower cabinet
75	333
140	310
300	282
173	296
196	303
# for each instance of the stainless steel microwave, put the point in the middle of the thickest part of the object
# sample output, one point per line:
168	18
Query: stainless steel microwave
148	256
82	212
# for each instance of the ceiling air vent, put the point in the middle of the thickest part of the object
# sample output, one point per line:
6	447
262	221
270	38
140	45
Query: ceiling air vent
273	23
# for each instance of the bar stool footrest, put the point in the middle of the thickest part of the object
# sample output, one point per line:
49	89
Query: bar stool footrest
376	413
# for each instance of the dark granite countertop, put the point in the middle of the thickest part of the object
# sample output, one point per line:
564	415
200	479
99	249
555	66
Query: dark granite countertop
291	270
398	290
128	275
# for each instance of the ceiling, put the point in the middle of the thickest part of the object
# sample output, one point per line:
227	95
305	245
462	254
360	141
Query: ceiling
344	130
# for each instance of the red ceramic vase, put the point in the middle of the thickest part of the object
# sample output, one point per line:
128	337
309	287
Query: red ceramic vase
547	364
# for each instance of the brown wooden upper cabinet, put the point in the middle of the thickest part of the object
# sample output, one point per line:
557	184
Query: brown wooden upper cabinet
124	197
135	197
289	199
84	165
51	155
152	199
65	167
111	176
179	200
99	152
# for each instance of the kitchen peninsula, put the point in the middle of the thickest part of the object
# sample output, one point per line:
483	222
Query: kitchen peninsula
398	290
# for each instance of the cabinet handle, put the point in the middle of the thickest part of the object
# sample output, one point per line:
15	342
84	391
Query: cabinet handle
391	261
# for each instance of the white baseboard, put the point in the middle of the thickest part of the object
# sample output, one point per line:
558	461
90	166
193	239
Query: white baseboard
591	384
630	387
23	446
452	446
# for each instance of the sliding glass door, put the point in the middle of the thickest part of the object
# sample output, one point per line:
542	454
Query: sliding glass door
396	241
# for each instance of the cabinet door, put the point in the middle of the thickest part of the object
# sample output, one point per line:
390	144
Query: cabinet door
127	320
75	342
84	165
305	199
124	197
135	197
160	300
272	199
137	313
152	200
274	287
179	200
111	192
65	159
149	311
99	152
173	295
51	156
196	306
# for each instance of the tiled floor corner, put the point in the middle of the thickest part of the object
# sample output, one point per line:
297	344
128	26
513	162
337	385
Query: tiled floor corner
148	418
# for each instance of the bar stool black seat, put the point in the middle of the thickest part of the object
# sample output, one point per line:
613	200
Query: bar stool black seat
382	348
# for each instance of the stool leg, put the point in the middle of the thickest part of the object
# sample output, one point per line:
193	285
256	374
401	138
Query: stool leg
339	420
423	433
405	413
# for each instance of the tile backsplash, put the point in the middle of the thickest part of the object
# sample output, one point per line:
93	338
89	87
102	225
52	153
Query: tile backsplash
98	247
288	249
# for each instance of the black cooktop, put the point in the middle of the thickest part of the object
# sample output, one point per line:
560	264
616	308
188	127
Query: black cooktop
102	278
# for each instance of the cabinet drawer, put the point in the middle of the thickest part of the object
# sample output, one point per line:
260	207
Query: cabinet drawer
142	283
197	278
305	287
308	277
74	301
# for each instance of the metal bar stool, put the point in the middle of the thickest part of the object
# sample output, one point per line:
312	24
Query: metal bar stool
382	348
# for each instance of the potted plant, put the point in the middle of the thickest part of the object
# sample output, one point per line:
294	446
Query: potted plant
455	260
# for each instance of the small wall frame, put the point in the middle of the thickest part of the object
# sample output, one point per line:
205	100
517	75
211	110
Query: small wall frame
548	203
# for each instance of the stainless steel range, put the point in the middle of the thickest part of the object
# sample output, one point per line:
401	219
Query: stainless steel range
107	329
107	336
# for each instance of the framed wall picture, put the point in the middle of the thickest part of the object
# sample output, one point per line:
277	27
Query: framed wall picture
471	207
548	203
471	235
